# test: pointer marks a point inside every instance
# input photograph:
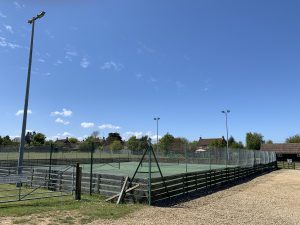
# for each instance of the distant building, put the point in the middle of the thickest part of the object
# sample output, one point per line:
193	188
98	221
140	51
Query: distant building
17	139
283	151
204	143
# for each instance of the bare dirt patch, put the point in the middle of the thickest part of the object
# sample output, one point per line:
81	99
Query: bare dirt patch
270	199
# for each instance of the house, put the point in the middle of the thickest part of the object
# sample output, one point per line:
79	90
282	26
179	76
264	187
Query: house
204	143
284	151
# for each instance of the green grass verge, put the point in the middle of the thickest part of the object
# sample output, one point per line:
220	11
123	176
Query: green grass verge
87	210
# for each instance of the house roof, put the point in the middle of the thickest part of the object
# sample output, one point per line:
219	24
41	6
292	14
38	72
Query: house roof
291	148
207	141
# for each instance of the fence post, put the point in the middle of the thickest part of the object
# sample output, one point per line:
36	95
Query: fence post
98	183
91	169
78	182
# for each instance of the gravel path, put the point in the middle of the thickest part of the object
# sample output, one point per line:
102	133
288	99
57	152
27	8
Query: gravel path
270	199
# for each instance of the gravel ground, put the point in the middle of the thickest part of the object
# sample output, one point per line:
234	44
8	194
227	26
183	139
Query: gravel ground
270	199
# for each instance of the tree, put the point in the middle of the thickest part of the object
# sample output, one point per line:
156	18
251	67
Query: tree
217	144
144	142
293	139
179	144
165	143
6	140
254	140
193	146
269	142
1	140
73	140
132	143
28	138
39	138
113	137
116	145
237	145
233	144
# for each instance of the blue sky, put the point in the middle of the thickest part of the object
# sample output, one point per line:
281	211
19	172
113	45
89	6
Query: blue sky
114	65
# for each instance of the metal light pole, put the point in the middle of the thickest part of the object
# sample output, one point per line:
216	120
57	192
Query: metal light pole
21	149
226	114
157	119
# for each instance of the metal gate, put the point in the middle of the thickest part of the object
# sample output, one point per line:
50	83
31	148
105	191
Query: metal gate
36	182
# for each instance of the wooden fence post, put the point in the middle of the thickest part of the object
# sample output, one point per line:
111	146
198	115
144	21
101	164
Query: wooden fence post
98	184
78	182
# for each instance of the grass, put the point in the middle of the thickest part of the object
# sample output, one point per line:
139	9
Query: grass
65	210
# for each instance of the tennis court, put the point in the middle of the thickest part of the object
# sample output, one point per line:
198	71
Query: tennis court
128	168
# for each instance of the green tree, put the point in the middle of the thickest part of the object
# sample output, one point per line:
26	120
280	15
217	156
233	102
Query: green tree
113	137
269	142
73	140
165	143
144	142
254	140
217	144
39	138
6	140
237	145
116	145
179	144
293	139
232	143
1	140
85	146
193	146
132	143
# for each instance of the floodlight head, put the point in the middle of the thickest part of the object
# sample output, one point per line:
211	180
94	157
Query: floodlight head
41	14
228	111
223	111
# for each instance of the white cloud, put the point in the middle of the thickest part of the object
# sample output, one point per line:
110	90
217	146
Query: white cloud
64	112
109	126
18	5
66	134
5	43
2	15
112	65
20	112
41	60
61	136
9	28
154	138
58	62
129	134
70	53
84	62
142	48
139	134
59	120
87	124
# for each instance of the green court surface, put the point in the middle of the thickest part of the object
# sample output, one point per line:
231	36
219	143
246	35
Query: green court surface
128	168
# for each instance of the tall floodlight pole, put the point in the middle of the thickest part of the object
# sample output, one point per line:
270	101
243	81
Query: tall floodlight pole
226	115
157	119
22	144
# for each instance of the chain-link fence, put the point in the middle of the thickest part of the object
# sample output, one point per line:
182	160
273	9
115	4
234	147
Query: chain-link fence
124	162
